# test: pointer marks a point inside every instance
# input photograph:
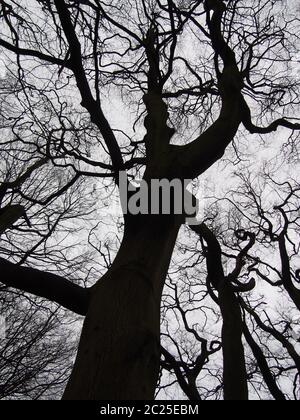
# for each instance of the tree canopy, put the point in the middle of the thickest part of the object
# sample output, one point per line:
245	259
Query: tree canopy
199	90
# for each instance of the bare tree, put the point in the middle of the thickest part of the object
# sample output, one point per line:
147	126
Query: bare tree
77	62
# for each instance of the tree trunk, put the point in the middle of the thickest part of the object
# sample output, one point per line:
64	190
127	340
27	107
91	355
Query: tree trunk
235	374
119	350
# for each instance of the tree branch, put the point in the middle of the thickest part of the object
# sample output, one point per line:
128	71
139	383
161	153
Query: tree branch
199	155
10	214
273	332
32	53
21	179
253	129
171	363
263	365
46	285
88	101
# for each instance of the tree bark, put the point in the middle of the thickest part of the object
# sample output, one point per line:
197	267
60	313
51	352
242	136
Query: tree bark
119	350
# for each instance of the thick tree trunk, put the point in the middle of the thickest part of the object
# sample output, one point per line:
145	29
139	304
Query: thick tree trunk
119	350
